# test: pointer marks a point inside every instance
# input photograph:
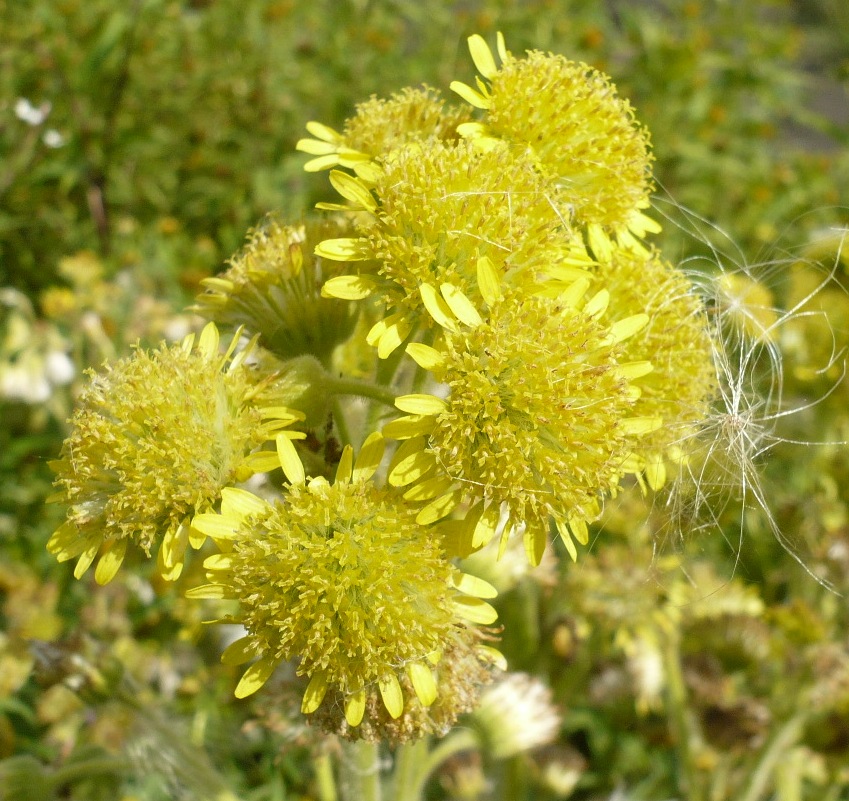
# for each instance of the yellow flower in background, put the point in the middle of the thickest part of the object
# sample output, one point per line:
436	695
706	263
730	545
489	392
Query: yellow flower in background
154	440
273	288
538	421
578	131
380	125
343	579
433	210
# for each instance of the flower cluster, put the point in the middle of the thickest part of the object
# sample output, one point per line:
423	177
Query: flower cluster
531	350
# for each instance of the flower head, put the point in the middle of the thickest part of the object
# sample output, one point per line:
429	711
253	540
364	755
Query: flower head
340	577
272	288
537	422
379	126
677	340
434	210
154	440
580	133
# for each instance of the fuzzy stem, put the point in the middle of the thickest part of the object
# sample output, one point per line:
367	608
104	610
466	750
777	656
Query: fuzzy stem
363	389
409	762
360	769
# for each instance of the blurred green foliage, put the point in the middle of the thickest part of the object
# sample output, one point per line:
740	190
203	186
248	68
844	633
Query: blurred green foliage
157	132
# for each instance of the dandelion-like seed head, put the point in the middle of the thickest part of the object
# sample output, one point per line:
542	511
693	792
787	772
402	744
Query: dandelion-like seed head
571	119
537	419
154	440
273	288
340	577
380	125
516	714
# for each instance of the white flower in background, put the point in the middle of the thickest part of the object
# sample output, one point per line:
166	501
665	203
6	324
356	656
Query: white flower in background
30	114
52	138
516	714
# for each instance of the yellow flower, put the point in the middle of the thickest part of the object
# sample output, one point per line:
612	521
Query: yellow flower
273	288
342	578
580	133
381	125
154	440
537	423
678	342
433	210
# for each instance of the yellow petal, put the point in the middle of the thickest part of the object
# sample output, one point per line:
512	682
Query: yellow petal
436	510
321	131
351	189
322	163
218	561
462	307
390	692
255	676
348	287
216	526
472	130
261	461
574	292
421	404
395	333
355	707
438	309
492	655
482	56
579	530
489	282
213	592
471	96
87	557
474	586
637	426
475	610
239	652
411	426
423	682
424	356
486	526
345	466
289	460
632	370
622	329
597	304
563	530
208	342
239	503
315	692
369	457
412	468
429	489
315	147
655	470
110	560
343	249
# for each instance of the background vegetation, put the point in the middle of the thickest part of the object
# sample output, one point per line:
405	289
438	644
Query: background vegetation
693	657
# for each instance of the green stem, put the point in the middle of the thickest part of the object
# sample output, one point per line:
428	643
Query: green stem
363	389
324	780
409	760
784	739
459	740
360	772
679	720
